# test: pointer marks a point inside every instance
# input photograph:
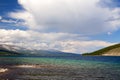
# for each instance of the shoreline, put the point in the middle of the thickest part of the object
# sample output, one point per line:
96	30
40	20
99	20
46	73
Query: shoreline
53	72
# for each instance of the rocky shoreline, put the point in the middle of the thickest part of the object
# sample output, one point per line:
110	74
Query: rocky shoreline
52	72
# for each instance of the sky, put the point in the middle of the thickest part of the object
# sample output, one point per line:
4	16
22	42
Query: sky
76	26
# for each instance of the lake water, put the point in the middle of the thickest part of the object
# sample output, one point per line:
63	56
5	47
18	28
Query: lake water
62	68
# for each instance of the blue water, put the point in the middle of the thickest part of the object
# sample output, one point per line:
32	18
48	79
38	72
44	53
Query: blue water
88	61
88	67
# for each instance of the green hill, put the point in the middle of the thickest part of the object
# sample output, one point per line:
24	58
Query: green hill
113	50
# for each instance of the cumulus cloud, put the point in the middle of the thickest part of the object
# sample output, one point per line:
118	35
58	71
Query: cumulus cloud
83	46
68	16
61	25
27	17
12	35
45	41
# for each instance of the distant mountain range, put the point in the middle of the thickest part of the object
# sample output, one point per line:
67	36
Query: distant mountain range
11	50
113	50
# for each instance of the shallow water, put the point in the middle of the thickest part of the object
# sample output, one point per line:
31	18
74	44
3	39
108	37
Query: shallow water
63	68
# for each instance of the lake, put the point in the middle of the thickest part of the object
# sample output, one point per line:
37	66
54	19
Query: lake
61	68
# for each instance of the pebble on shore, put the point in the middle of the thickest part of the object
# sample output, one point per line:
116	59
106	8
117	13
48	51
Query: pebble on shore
2	70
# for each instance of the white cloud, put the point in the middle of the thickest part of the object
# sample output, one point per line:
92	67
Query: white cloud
27	17
82	46
67	16
61	25
22	36
12	22
109	33
8	21
0	17
57	41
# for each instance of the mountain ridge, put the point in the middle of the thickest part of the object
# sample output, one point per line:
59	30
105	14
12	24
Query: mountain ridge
12	50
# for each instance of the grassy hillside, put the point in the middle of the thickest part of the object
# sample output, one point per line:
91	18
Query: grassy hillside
103	51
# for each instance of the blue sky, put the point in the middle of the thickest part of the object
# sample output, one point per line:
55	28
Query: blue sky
70	26
8	5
